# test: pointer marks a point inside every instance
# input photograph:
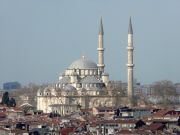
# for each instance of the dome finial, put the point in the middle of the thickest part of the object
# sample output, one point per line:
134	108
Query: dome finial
82	55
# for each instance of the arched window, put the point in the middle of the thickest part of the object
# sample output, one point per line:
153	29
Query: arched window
91	72
95	72
86	72
82	72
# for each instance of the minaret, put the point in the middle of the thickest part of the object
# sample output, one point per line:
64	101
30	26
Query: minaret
101	49
130	64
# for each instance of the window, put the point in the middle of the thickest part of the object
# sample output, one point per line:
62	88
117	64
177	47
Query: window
86	72
82	72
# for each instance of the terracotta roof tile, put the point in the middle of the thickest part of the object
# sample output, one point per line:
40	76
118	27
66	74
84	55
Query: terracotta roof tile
125	132
66	131
155	126
115	122
161	113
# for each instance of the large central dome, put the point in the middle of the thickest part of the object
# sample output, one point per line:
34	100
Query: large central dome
83	63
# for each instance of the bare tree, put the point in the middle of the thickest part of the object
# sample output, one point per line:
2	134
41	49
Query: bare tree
166	90
29	91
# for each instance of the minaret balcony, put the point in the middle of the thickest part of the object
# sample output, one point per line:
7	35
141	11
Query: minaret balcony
100	65
130	65
100	49
130	48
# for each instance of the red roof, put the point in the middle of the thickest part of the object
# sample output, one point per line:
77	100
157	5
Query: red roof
125	132
155	126
86	110
116	122
2	114
161	113
66	131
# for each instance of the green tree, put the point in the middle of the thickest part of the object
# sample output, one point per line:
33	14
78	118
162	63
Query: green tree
5	99
8	102
12	102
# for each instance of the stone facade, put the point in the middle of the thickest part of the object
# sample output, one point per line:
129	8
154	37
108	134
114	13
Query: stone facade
84	84
65	102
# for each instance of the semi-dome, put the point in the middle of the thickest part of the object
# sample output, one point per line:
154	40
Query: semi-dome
90	79
83	63
40	91
69	87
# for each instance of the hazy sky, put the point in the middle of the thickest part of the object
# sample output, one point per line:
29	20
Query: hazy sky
39	39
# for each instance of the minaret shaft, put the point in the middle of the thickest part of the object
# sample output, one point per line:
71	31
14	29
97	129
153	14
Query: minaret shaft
130	82
101	49
130	64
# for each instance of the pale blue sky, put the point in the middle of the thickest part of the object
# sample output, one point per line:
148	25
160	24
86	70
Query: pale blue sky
39	39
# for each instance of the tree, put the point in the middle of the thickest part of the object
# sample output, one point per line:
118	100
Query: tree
12	102
79	106
8	102
54	114
29	91
165	89
5	99
134	101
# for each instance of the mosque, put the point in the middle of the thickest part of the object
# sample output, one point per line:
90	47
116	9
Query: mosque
85	84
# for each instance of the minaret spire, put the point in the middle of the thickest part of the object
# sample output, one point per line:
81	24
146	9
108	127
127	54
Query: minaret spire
130	64
101	48
130	30
101	31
